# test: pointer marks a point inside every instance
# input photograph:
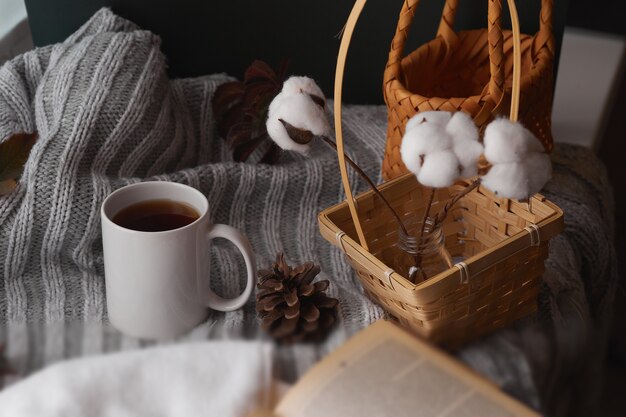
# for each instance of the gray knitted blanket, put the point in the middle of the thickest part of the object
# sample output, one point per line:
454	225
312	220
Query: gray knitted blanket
107	115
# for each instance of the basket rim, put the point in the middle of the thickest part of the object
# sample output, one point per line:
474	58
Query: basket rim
539	65
549	227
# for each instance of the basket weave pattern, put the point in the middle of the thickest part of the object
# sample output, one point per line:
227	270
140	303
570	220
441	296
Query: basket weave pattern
468	71
488	232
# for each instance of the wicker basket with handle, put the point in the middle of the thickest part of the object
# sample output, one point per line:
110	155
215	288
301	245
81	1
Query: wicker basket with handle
470	71
503	243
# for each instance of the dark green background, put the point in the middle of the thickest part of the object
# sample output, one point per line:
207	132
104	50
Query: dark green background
202	37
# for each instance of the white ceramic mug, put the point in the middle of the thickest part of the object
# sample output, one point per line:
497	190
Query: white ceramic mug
157	283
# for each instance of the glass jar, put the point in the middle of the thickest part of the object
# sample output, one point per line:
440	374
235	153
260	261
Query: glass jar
419	259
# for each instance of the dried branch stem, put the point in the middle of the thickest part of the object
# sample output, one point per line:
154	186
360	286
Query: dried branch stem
418	256
441	216
370	182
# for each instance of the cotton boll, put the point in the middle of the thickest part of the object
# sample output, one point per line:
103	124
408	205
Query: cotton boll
436	117
506	141
302	84
428	138
532	143
276	129
275	104
302	112
462	128
279	135
410	154
508	180
422	140
440	169
468	153
299	111
465	142
539	170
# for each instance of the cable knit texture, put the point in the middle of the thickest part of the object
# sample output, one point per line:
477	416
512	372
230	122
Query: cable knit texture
107	116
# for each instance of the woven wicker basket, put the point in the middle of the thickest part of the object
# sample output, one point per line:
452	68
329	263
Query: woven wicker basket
469	71
503	243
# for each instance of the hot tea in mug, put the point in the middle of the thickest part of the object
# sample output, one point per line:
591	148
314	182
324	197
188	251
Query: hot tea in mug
157	241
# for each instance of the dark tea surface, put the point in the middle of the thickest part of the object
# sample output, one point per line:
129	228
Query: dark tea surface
156	216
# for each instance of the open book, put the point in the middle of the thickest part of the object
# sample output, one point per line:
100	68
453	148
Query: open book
385	371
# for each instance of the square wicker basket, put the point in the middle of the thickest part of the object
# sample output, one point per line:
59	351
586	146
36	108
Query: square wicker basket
503	245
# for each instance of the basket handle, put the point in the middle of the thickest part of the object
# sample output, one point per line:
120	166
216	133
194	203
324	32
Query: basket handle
446	30
543	36
341	65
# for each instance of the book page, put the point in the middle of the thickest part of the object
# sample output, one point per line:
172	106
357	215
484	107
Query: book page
383	371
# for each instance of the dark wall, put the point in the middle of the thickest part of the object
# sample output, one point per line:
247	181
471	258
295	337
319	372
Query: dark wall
599	15
201	37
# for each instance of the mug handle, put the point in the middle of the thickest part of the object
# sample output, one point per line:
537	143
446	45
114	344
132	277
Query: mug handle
216	302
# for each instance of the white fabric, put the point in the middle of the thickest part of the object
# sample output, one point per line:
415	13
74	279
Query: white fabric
197	379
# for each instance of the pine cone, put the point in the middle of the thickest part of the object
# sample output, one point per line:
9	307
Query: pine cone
292	307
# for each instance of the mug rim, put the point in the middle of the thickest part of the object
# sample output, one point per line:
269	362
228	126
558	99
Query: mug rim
107	201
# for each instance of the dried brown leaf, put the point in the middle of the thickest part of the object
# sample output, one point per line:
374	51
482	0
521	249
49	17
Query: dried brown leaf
230	118
13	154
281	74
259	69
227	95
248	101
271	155
243	151
7	186
239	133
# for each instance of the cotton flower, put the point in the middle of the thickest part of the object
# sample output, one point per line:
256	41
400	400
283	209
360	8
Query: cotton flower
520	166
439	169
426	138
509	179
452	136
506	141
299	105
438	117
426	150
301	84
540	171
465	143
